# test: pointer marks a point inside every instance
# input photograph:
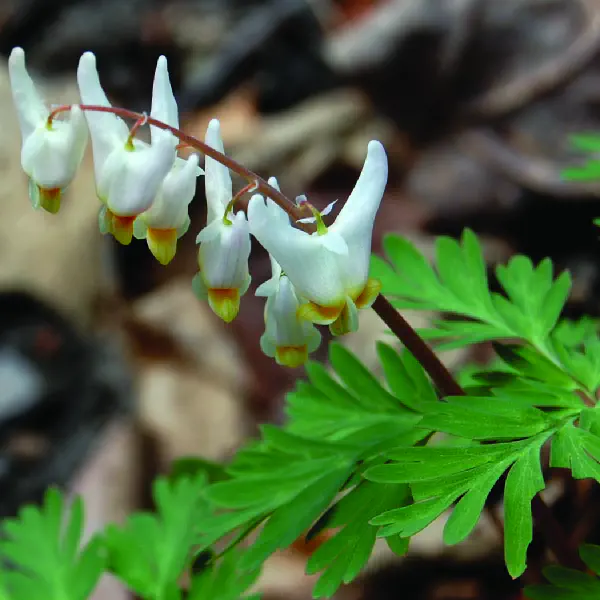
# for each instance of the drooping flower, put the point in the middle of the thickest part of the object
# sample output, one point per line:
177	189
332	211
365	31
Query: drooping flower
51	152
330	268
224	250
129	172
167	219
287	338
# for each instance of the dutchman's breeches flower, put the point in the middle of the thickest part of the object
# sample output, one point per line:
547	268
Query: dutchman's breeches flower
225	241
330	268
319	278
288	338
129	172
167	219
52	150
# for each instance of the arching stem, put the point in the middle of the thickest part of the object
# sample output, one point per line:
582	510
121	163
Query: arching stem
434	367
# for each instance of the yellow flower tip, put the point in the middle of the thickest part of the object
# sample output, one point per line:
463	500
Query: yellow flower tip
50	199
320	315
162	244
121	228
225	302
369	293
291	356
347	322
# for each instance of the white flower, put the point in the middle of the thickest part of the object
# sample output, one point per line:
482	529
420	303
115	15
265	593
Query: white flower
287	338
330	268
128	172
167	219
50	153
225	241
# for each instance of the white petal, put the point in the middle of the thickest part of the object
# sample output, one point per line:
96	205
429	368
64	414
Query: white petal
335	243
217	176
106	129
311	267
29	104
129	181
164	105
282	324
224	258
170	209
355	221
328	208
275	212
210	232
51	157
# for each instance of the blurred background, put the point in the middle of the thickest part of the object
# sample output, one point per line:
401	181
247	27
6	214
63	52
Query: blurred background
109	366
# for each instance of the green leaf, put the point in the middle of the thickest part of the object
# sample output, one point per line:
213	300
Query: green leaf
193	466
151	551
223	581
588	142
569	584
590	555
524	481
467	511
406	378
486	419
360	381
44	546
344	555
530	309
290	520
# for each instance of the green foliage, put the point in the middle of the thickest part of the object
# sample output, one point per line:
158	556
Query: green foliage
569	584
590	170
360	457
529	308
290	480
151	551
224	581
44	548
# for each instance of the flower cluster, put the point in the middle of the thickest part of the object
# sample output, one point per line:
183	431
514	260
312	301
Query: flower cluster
319	277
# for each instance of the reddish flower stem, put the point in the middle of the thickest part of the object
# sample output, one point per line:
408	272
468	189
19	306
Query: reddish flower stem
261	185
556	537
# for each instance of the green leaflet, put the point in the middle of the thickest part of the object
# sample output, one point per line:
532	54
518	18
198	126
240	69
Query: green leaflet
569	584
151	551
224	581
529	309
346	553
524	481
289	521
438	476
44	545
406	378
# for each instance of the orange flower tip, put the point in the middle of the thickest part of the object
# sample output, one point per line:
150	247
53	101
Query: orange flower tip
320	315
50	199
291	356
369	293
225	302
162	244
122	228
